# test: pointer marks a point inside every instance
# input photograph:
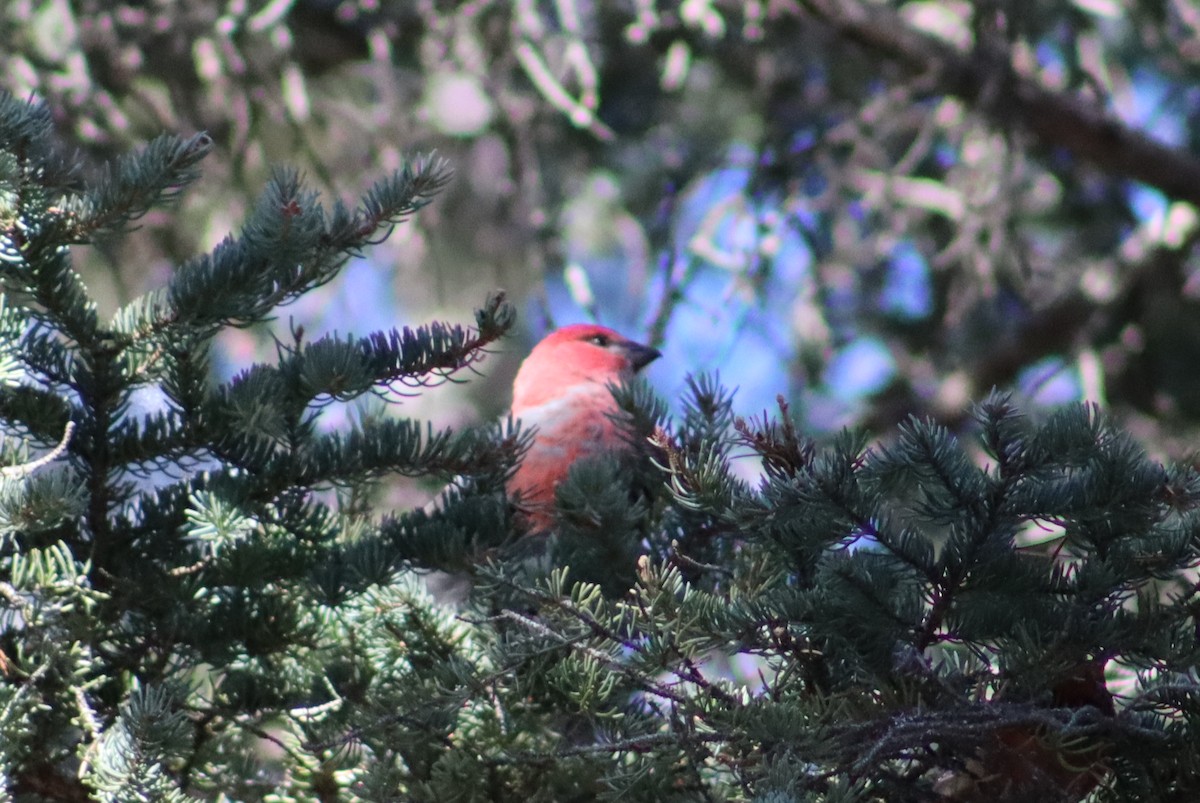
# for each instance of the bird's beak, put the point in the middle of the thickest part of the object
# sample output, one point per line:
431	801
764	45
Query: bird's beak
640	356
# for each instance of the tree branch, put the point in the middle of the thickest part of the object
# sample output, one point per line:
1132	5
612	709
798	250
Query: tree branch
987	79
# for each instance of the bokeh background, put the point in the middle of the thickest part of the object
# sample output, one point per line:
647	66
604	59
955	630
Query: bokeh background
875	209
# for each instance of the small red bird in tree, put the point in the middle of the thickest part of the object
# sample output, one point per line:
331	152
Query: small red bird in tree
562	390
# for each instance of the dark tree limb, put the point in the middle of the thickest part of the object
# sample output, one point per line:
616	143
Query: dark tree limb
986	78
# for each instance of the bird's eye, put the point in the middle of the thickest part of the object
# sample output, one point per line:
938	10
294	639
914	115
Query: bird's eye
599	340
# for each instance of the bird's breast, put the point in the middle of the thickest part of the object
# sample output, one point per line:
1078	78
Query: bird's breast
569	428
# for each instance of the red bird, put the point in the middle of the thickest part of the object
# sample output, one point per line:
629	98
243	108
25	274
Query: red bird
562	389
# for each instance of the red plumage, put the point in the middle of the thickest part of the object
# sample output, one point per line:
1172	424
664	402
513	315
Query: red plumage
562	390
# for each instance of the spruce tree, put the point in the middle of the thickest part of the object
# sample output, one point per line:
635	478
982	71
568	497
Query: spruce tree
171	580
195	602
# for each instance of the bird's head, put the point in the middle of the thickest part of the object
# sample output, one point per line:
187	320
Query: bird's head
577	354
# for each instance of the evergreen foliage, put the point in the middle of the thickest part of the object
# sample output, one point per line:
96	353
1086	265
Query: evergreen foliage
186	613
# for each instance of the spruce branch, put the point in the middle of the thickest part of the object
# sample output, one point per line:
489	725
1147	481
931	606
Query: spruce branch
135	184
289	246
410	357
39	413
25	469
397	197
24	125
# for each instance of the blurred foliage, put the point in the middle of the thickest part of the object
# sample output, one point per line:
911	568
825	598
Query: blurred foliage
1033	160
